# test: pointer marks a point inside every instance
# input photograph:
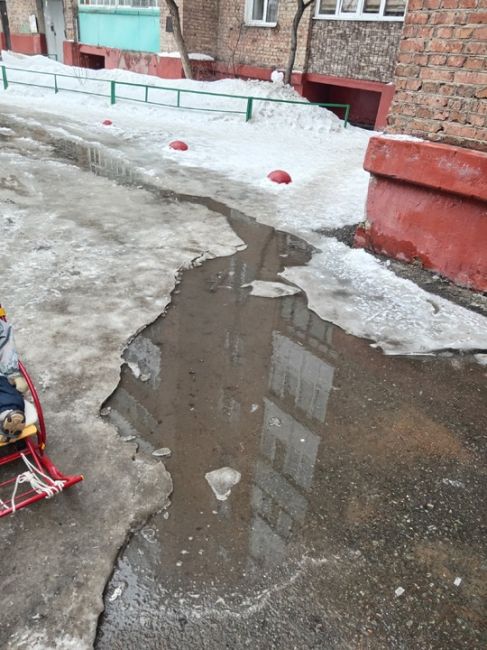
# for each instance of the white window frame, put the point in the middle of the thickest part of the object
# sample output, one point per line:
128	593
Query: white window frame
358	14
249	5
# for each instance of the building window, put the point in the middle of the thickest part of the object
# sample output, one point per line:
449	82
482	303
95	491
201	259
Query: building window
138	4
360	9
262	13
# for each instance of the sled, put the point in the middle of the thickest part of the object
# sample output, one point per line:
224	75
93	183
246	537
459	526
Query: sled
32	474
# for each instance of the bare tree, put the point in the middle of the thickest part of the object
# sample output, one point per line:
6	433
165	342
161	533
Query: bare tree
301	7
238	21
178	37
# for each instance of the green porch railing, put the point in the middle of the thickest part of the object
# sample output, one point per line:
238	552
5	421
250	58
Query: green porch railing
149	90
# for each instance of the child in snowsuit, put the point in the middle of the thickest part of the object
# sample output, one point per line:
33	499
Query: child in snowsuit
12	385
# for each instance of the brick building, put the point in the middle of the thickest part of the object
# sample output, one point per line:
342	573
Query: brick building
247	38
35	26
427	200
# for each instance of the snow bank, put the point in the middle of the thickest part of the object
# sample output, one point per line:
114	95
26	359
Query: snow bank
194	56
163	91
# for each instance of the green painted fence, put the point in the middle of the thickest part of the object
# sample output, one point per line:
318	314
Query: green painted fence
146	93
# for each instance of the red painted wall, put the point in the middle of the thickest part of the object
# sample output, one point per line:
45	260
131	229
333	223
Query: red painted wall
144	63
29	43
428	202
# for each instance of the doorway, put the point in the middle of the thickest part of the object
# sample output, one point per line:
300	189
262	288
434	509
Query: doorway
5	25
55	34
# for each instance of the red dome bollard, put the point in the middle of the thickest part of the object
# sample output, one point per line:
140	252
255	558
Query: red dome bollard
107	122
178	145
279	176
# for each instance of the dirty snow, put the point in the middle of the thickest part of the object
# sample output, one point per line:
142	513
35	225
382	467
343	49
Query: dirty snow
329	188
357	292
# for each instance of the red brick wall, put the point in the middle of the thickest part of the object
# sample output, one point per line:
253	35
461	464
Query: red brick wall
441	76
200	25
259	46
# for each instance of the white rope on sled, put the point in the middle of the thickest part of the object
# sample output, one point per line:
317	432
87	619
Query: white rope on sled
35	477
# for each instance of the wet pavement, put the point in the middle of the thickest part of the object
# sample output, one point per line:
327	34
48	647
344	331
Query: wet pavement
359	519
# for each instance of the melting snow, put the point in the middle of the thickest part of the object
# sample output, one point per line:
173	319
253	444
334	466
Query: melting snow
222	481
271	289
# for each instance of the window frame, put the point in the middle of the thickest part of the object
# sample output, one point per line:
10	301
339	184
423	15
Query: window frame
358	15
249	5
117	4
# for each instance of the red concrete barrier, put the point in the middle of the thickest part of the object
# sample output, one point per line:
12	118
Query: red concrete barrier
279	176
178	145
427	202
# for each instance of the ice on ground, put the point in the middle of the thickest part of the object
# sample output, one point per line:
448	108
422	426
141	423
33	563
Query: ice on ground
271	289
162	452
222	481
135	369
352	289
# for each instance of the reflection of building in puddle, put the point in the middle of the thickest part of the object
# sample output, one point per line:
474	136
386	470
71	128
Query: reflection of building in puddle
307	326
94	159
236	389
301	382
298	442
143	352
109	166
298	373
130	416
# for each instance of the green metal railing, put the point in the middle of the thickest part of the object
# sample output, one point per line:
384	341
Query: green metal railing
113	96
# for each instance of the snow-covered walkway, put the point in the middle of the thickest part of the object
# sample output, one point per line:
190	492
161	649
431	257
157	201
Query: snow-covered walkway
329	188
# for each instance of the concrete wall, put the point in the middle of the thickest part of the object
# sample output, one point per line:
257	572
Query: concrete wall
354	49
441	76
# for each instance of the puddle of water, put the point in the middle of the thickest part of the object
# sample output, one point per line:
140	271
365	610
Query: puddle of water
342	452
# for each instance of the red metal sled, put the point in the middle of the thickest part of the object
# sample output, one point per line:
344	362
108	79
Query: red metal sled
40	476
